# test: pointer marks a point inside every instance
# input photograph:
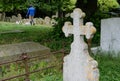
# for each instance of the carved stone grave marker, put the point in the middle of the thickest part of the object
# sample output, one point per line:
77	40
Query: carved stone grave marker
110	38
79	65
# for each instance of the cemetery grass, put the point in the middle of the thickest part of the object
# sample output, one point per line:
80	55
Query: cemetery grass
37	33
29	33
108	66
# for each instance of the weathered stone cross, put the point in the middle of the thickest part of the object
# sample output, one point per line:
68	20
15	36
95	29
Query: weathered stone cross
78	65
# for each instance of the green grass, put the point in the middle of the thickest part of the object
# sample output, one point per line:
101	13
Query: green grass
39	33
44	75
109	66
31	33
35	33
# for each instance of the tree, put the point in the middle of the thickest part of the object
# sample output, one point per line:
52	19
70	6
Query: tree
88	6
118	1
43	7
63	6
11	5
106	5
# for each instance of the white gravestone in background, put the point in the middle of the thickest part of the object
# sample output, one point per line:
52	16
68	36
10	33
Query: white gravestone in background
78	65
110	35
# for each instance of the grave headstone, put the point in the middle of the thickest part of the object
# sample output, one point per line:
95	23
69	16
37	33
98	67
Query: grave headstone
0	16
14	18
47	20
19	17
79	65
67	15
7	19
3	16
110	31
41	21
25	21
53	22
36	20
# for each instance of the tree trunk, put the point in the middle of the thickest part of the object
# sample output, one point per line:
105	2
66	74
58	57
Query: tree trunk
88	7
118	1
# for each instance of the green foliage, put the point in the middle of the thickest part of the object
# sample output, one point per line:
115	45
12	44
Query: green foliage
10	6
31	33
106	5
11	70
40	4
68	5
43	75
85	1
49	6
109	67
57	31
73	1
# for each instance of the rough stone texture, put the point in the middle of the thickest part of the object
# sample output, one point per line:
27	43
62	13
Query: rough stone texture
14	18
41	21
19	17
11	31
53	22
0	16
11	52
7	19
110	35
3	16
79	65
47	20
24	21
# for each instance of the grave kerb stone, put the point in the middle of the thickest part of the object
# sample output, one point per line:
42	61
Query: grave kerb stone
12	52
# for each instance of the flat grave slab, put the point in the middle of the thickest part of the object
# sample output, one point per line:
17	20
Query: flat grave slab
12	52
11	31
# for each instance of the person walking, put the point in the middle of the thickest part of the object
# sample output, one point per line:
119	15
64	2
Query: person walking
31	14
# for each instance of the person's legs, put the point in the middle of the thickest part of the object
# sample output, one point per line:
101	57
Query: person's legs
32	17
31	20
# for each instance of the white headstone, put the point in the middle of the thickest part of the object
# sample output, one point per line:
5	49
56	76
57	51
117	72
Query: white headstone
110	35
47	20
78	65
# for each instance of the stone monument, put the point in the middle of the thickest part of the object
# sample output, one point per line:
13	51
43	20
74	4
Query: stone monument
110	38
47	20
79	65
19	19
3	16
0	16
12	52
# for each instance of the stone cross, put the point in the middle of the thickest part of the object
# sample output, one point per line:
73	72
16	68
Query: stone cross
79	65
